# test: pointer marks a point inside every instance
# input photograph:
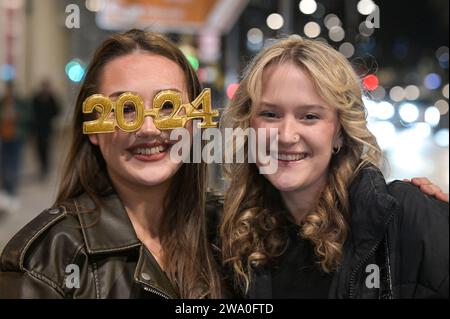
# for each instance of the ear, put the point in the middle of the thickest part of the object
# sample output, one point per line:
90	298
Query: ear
338	140
93	138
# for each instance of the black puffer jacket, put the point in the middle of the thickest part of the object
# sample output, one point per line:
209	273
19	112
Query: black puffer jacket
395	227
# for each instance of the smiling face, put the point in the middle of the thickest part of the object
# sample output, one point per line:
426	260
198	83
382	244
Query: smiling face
140	158
308	128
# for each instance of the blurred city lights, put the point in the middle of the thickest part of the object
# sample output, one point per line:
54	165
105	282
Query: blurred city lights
397	94
275	21
432	116
347	49
74	70
443	60
442	106
320	11
432	81
409	112
332	20
7	72
370	82
442	50
421	130
231	89
308	6
365	30
371	107
365	7
441	137
312	29
385	132
193	61
407	153
442	56
336	34
95	5
379	93
445	91
255	36
385	110
208	74
412	92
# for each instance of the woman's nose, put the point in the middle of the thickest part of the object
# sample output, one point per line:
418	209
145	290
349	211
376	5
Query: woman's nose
148	128
288	132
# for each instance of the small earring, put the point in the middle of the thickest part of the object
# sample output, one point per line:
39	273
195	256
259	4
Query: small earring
336	149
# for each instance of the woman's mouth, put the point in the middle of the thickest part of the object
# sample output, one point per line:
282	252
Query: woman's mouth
286	159
149	152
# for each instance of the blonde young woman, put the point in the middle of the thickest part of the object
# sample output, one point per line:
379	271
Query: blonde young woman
128	221
325	224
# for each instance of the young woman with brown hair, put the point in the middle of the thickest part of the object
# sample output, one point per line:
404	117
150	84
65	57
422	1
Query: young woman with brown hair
128	220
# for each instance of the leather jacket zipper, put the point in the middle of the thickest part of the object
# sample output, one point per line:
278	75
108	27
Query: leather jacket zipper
155	291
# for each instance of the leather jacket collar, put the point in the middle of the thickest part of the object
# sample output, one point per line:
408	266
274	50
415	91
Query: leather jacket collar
108	229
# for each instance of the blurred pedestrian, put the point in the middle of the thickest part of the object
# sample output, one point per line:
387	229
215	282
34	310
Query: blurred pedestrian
14	123
45	109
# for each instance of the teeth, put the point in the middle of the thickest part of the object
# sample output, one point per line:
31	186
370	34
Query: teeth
291	157
149	150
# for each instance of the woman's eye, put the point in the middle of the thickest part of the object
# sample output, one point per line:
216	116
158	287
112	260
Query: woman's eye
268	114
129	108
311	117
167	106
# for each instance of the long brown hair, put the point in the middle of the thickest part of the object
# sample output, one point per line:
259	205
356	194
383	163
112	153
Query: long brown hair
252	230
188	259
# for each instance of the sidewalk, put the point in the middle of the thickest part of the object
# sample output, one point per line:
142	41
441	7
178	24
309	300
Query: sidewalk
34	195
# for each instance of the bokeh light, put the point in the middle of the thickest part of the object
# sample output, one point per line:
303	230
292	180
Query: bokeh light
75	70
408	112
412	92
432	81
312	29
347	49
308	6
275	21
397	94
365	7
432	116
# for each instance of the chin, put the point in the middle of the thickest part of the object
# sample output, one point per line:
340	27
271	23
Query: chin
154	178
285	185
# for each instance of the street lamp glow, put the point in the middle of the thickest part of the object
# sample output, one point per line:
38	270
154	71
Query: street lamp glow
312	29
308	6
432	116
365	7
409	112
275	21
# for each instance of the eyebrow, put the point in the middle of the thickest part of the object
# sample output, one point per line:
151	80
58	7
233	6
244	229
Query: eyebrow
309	106
118	93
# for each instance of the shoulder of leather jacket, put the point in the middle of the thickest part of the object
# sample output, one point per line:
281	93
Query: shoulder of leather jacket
32	248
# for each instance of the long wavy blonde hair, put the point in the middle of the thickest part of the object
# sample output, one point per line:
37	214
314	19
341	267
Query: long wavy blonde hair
252	230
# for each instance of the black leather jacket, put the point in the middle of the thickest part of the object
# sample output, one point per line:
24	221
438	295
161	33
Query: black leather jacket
396	227
79	254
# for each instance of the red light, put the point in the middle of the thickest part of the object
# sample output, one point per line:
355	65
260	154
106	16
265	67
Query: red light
231	89
370	82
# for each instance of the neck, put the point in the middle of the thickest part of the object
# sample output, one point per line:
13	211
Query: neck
301	202
144	206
